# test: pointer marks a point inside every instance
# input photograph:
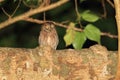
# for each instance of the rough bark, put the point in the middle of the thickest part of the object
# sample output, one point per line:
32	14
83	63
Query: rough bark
44	63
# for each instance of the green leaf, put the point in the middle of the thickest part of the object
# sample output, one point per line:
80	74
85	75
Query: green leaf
79	40
89	16
92	33
70	33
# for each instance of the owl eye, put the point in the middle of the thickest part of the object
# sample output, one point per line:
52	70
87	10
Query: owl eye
51	25
47	26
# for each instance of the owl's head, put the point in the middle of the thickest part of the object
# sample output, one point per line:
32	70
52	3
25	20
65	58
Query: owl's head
48	27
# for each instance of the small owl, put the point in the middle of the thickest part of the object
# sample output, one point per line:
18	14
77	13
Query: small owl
48	36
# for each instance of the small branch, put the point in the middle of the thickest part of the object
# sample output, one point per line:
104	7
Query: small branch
65	26
34	20
31	12
8	15
108	35
111	3
11	15
104	9
1	1
77	12
55	23
16	8
47	3
76	9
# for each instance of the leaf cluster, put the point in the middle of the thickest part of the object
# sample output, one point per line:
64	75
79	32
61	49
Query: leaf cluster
91	32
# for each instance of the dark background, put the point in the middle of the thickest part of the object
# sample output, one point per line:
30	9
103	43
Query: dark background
24	34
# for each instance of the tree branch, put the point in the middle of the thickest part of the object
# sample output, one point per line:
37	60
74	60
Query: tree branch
111	3
55	23
117	9
31	12
66	26
1	1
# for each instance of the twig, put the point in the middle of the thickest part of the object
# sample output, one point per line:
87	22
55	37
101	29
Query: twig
55	23
104	9
16	8
34	20
108	35
111	3
66	26
31	12
76	9
77	12
11	15
47	3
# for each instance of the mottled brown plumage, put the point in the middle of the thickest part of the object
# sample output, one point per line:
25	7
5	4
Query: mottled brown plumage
48	36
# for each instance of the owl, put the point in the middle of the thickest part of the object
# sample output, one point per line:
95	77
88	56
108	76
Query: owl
48	36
